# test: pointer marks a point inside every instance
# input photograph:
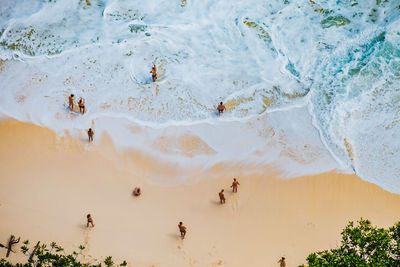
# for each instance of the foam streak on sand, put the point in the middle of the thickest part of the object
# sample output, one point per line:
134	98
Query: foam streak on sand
48	184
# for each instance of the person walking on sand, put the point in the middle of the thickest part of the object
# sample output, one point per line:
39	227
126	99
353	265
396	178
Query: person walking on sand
154	73
71	100
90	135
221	197
81	104
282	262
89	220
182	230
221	108
235	185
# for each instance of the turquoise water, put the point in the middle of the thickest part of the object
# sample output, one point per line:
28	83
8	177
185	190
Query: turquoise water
309	85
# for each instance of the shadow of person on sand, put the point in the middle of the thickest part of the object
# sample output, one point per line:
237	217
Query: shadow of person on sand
216	202
175	236
83	226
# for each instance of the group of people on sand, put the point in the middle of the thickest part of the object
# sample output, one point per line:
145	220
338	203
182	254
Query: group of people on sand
81	103
137	191
182	228
234	186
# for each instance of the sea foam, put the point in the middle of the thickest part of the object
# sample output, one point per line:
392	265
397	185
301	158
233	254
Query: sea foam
309	86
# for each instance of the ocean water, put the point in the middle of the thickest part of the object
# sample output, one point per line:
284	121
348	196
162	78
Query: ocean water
309	86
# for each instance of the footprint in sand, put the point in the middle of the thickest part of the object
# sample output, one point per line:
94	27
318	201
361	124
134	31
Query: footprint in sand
181	250
86	239
234	203
192	262
217	263
90	258
310	225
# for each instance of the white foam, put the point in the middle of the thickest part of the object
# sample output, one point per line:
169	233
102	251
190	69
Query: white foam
260	58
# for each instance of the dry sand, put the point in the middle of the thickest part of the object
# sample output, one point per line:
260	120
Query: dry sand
48	184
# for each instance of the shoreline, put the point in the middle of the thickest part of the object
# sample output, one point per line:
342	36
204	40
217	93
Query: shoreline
48	184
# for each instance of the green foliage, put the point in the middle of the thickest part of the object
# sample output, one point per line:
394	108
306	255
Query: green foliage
334	21
378	2
125	15
31	41
323	11
108	261
24	249
362	245
137	28
54	255
183	3
261	32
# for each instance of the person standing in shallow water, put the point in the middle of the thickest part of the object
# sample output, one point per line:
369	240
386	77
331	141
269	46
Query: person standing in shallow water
90	135
154	73
81	104
221	197
221	108
71	100
182	230
235	185
89	220
282	262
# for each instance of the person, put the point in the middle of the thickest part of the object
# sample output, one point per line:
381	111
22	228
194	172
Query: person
89	220
221	108
90	134
137	191
154	73
235	185
71	99
222	196
282	262
81	104
182	230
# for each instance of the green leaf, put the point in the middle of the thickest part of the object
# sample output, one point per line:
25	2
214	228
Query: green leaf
108	261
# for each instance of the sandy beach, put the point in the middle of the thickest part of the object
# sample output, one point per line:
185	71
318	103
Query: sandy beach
48	184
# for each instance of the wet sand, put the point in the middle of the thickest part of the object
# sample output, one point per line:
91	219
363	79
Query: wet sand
48	184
